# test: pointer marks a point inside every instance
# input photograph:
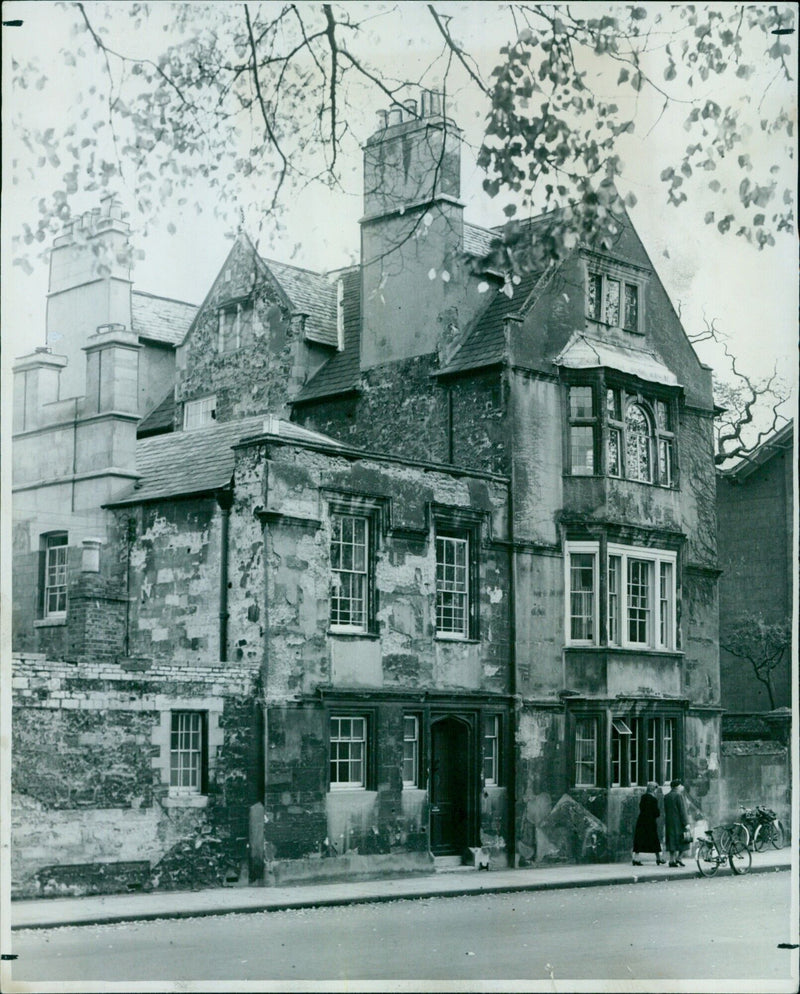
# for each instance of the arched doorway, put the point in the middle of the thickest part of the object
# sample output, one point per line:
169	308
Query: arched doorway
452	787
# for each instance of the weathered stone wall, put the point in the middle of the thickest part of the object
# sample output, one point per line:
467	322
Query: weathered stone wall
756	772
403	410
174	579
90	782
541	772
292	485
272	363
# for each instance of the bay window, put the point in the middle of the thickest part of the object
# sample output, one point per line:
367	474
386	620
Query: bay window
639	596
625	748
631	436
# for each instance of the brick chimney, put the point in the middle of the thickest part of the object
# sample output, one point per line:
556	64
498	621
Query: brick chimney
412	227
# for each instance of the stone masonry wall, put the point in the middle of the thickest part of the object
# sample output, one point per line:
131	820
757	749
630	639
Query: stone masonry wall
92	809
403	410
271	364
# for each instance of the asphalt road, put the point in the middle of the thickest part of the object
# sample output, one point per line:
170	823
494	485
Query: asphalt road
715	930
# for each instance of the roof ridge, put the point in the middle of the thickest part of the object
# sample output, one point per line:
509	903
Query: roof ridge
161	296
291	265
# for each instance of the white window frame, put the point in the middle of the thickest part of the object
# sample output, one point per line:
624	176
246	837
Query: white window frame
338	573
581	548
200	412
186	752
656	557
656	603
579	762
491	749
339	757
55	574
451	587
411	745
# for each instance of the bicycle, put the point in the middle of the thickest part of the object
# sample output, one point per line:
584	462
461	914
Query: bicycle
764	827
720	845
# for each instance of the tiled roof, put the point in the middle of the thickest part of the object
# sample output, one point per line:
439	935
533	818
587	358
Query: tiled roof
199	461
477	240
341	372
312	294
160	418
160	318
485	344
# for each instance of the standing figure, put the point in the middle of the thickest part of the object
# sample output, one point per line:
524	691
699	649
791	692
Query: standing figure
676	822
645	835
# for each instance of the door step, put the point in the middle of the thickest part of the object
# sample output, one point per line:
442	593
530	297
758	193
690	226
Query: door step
449	864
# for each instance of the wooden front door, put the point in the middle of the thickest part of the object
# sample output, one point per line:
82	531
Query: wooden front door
450	785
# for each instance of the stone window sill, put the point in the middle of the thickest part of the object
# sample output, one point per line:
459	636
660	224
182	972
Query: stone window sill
346	634
185	801
50	622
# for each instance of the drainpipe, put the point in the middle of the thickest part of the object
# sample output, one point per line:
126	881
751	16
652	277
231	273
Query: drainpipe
225	501
512	655
130	538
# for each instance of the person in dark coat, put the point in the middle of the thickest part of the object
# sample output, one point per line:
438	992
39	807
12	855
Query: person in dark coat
676	822
645	834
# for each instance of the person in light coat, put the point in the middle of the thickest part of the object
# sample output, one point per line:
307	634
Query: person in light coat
676	822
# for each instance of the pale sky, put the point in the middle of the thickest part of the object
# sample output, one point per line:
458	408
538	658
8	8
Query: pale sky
752	295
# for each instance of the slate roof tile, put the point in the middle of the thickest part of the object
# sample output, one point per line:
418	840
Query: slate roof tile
341	372
198	461
160	319
485	344
312	293
160	418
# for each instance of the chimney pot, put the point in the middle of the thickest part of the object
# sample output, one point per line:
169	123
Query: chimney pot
411	108
395	116
381	119
436	102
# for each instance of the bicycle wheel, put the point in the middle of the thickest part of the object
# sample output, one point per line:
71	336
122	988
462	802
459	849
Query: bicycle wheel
739	836
724	839
769	832
740	858
707	862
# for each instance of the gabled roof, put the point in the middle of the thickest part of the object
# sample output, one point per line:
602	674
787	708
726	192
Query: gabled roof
161	319
340	373
485	345
309	293
200	461
583	351
781	441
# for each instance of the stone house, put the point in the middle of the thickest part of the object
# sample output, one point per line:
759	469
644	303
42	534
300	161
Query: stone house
409	560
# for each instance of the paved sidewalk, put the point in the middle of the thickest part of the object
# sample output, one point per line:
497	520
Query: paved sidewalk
56	912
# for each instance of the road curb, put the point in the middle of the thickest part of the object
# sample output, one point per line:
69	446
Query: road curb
653	876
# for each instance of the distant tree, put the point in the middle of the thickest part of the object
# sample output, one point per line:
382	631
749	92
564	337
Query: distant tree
763	645
253	102
256	95
741	400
